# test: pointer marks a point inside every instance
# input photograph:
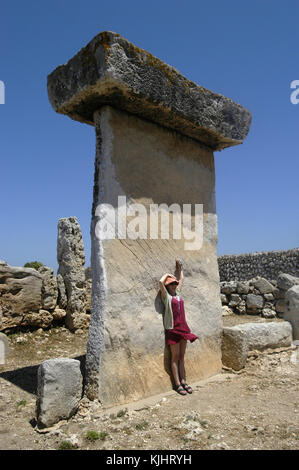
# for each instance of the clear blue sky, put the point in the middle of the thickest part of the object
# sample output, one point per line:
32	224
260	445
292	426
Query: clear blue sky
246	50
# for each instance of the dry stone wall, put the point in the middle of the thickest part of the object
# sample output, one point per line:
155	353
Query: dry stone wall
268	264
257	296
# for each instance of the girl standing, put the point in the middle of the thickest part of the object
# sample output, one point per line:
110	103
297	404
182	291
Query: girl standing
177	332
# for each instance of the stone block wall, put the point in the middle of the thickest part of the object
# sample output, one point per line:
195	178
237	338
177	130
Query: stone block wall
266	264
257	296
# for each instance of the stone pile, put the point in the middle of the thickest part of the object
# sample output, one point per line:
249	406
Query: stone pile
37	298
257	296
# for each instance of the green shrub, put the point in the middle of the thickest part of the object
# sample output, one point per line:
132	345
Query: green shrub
33	264
92	436
66	445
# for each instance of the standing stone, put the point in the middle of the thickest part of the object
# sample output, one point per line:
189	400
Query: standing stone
291	312
71	259
59	389
49	288
155	136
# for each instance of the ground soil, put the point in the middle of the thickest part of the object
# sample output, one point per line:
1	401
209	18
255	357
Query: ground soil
257	408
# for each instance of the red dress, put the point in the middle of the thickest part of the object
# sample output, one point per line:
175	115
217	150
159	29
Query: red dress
180	328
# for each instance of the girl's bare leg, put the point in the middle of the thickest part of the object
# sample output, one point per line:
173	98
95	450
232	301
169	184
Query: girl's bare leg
175	353
182	345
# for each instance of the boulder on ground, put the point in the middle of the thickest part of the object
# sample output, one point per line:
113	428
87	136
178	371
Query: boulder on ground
20	294
59	390
238	340
291	313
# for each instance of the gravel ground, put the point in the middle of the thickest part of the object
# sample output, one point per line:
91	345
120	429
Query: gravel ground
257	408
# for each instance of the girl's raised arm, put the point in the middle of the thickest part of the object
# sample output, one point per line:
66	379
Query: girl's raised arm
179	266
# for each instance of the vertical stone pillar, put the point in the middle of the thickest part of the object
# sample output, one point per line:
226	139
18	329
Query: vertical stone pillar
155	136
71	259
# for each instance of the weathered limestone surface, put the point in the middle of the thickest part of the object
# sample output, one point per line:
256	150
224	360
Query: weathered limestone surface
62	297
59	389
291	312
111	70
71	259
238	340
20	294
125	352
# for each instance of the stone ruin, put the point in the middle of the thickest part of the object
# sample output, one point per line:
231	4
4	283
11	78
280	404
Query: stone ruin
258	296
36	298
156	132
71	272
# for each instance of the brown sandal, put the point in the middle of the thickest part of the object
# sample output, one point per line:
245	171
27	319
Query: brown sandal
180	391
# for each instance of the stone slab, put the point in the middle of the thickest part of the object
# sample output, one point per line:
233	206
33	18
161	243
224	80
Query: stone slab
126	354
238	340
59	390
111	70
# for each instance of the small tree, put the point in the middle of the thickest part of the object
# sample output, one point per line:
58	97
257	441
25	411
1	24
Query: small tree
33	264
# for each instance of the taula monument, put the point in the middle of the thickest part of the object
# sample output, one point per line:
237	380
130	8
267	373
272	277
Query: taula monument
156	132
